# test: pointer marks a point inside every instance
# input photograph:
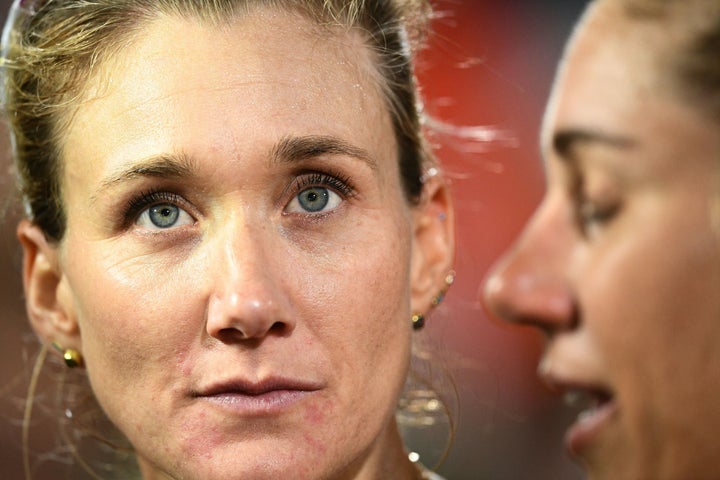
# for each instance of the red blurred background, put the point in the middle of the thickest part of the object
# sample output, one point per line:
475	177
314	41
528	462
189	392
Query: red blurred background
489	65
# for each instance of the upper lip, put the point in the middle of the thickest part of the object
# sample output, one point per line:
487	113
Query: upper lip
589	388
249	387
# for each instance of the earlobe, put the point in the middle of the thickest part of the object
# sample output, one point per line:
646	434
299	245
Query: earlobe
47	307
433	244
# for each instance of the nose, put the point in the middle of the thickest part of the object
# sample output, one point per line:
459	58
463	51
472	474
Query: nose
249	300
531	283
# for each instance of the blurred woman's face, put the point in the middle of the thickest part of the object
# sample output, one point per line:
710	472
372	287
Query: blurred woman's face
238	249
620	266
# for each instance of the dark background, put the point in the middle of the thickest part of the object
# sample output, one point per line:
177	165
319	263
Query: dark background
490	65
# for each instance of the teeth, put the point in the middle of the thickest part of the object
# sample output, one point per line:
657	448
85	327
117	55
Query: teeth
585	402
586	414
580	399
573	398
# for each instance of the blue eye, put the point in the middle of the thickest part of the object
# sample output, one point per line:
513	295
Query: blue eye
314	200
164	216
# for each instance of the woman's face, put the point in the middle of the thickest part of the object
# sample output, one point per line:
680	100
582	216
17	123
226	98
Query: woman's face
620	265
239	260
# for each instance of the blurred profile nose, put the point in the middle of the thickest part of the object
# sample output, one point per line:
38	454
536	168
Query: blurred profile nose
250	298
530	283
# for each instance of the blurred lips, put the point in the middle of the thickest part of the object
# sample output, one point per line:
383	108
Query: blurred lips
599	411
597	405
271	396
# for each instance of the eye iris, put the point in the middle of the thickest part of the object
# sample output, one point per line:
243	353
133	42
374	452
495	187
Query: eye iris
164	216
314	199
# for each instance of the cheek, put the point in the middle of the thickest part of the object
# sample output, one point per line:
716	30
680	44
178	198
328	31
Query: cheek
651	305
133	317
370	309
365	326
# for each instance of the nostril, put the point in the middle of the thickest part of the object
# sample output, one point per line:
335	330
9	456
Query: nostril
230	335
279	328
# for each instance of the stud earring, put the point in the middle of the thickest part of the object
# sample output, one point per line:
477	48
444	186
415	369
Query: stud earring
449	280
418	321
72	357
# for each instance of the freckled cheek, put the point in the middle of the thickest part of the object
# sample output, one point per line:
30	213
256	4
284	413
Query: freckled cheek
132	328
371	330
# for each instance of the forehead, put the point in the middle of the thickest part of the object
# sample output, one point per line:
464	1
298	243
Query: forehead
182	81
615	84
613	67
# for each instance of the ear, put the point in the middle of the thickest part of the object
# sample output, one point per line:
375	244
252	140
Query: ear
433	249
47	300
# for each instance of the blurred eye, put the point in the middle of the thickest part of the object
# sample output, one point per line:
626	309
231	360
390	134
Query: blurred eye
596	210
314	200
598	200
592	213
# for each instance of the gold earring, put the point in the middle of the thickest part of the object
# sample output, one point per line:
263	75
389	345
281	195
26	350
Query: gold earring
418	321
449	280
72	357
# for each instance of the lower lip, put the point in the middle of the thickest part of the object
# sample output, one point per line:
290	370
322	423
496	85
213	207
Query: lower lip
585	431
270	403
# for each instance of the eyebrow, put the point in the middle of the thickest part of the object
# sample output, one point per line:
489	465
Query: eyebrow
293	149
564	141
157	166
290	149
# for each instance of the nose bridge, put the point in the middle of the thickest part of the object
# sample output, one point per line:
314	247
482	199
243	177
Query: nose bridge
546	243
531	282
240	241
248	298
242	247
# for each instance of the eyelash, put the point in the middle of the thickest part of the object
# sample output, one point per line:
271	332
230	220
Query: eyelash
145	199
591	212
137	204
341	184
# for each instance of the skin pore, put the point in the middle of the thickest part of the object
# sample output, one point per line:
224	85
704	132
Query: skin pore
240	264
619	266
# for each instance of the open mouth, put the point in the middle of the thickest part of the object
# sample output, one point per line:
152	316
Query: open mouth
597	408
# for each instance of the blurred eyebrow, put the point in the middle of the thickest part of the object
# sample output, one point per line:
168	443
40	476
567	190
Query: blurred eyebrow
565	140
293	149
158	166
